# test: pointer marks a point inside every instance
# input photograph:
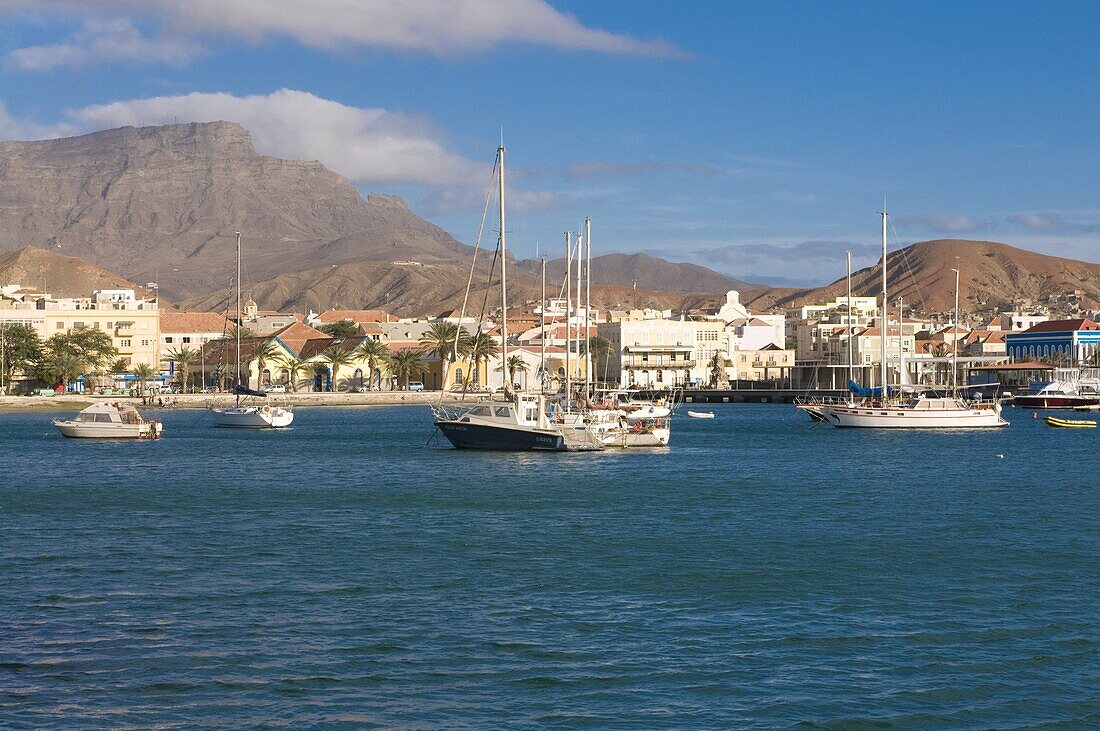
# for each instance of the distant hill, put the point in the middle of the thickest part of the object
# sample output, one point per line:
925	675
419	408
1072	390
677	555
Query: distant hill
651	273
992	276
61	276
164	202
410	290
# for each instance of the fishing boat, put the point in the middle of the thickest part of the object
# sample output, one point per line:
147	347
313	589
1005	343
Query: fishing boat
1070	388
921	410
104	420
245	415
701	414
1069	423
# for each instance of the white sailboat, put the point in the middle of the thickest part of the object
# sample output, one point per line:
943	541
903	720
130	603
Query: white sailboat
921	411
249	416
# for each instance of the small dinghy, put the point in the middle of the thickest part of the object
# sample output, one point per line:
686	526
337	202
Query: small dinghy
109	421
1069	423
701	414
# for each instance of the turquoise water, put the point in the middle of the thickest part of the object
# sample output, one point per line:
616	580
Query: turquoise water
764	572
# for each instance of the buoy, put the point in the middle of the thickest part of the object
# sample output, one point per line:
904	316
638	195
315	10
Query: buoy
1000	456
1034	414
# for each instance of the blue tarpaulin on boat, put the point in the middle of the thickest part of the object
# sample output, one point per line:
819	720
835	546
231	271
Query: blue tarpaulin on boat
859	390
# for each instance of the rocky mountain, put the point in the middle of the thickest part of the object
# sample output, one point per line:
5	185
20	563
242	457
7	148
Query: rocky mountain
417	289
164	202
649	272
992	276
61	276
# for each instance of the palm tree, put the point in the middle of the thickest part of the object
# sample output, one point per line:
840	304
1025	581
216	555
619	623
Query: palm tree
516	364
62	367
144	372
374	351
406	363
222	374
264	352
294	369
440	340
600	347
183	358
338	355
482	347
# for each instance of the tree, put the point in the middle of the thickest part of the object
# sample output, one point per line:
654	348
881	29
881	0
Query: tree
21	348
263	353
144	372
482	347
93	347
445	340
601	347
374	351
231	334
337	356
718	365
516	364
183	358
60	367
221	373
120	366
406	363
340	329
294	368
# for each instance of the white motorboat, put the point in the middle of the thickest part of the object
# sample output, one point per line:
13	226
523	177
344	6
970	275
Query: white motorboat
104	420
519	425
701	414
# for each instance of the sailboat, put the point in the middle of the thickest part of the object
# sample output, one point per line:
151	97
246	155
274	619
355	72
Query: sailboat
249	416
520	422
923	410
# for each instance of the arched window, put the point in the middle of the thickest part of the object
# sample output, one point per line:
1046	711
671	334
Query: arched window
359	377
284	376
458	376
265	377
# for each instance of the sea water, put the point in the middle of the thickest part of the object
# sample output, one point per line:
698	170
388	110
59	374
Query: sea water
345	573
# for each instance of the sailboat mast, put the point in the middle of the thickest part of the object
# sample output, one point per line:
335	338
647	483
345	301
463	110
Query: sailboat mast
503	275
587	305
238	364
885	329
849	321
580	265
955	341
542	330
901	340
568	306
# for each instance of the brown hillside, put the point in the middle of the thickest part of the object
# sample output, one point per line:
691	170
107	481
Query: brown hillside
61	276
992	276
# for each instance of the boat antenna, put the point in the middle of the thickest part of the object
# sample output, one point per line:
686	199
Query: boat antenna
568	306
542	330
849	319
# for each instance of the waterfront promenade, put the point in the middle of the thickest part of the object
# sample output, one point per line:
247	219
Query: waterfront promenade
75	401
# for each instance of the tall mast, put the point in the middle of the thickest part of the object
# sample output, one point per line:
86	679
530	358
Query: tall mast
580	264
955	341
883	318
901	339
503	277
239	323
542	329
849	320
587	305
568	306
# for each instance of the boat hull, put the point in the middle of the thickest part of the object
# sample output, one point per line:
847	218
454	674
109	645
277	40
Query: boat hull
250	417
92	430
654	437
1038	401
1070	423
468	435
893	418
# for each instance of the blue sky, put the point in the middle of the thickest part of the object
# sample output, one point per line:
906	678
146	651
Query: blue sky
755	138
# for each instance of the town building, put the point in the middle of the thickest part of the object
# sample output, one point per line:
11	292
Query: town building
1070	341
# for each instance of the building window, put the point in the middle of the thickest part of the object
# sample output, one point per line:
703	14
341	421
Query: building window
186	339
168	339
78	326
124	343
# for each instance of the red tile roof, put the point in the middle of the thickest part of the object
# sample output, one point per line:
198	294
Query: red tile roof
297	334
192	322
357	316
1064	326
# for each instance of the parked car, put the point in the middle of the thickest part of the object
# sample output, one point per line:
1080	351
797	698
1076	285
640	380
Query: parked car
276	388
416	385
211	389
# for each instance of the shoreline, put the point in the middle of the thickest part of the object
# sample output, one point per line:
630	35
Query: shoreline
75	402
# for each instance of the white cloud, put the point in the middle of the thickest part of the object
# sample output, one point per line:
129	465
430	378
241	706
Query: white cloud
115	39
370	146
438	27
